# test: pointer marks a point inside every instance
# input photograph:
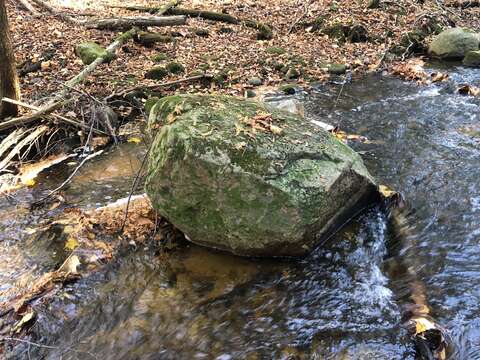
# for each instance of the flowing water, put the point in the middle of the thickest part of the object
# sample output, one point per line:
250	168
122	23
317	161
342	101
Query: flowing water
346	300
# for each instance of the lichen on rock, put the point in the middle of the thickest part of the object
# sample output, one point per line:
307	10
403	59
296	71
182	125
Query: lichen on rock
240	176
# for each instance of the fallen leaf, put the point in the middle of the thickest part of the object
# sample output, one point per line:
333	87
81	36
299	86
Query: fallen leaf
134	140
71	244
25	320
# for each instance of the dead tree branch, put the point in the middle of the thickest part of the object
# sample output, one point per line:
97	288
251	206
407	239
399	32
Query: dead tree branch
129	22
59	117
152	10
58	101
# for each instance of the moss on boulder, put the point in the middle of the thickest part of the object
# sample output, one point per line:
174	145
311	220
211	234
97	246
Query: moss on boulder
472	58
89	51
231	186
453	44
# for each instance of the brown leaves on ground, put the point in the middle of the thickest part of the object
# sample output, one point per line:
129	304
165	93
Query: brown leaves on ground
229	49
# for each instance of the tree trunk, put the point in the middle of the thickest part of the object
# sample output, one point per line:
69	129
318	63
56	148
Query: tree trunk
8	76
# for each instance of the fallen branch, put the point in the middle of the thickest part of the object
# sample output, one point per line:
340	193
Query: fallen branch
148	38
30	138
207	15
264	31
58	101
12	139
160	10
156	86
60	117
129	22
26	119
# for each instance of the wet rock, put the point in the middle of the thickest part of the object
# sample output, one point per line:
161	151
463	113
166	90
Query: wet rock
291	105
107	118
472	58
412	42
88	52
255	81
453	44
288	89
240	176
250	93
156	73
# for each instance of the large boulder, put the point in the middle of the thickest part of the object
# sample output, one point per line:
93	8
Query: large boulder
241	176
453	44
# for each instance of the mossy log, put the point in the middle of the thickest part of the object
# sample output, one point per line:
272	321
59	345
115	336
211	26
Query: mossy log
140	21
465	4
149	38
207	15
158	10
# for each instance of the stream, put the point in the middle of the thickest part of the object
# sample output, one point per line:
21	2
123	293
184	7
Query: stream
343	301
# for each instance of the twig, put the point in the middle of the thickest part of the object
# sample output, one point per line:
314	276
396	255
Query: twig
60	117
28	342
134	185
26	119
62	185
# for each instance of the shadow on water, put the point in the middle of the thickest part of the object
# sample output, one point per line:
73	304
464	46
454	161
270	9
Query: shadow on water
343	301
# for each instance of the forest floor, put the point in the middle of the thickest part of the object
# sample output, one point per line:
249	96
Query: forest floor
230	49
299	52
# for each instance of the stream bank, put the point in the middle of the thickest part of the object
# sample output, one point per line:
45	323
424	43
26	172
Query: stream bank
342	300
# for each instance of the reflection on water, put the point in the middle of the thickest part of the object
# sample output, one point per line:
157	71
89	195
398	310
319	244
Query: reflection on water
343	301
